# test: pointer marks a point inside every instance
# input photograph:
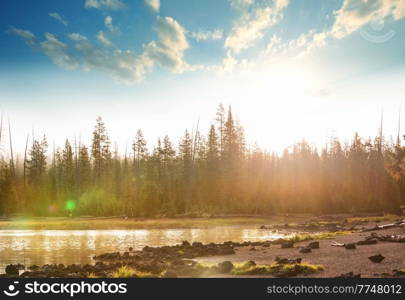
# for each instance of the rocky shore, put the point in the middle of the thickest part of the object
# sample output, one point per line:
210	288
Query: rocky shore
373	251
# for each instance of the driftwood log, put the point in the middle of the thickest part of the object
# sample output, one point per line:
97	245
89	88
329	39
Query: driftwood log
386	226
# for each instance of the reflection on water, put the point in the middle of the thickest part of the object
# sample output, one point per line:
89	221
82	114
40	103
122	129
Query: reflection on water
41	247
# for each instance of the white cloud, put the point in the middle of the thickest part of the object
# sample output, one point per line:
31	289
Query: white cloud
354	14
58	52
154	5
241	4
124	66
307	42
77	37
59	18
107	4
108	23
27	35
103	39
169	50
399	10
252	24
274	45
204	35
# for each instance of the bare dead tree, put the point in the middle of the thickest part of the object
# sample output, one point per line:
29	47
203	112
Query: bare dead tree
381	133
399	128
1	127
195	140
25	160
11	149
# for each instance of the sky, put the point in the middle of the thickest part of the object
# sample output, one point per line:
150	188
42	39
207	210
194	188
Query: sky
290	69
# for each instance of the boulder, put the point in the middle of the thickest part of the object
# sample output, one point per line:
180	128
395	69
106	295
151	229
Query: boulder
376	258
305	250
225	267
287	244
284	261
11	270
350	246
185	244
314	245
349	275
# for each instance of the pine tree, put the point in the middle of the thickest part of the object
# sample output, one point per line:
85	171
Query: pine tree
100	149
84	168
139	149
220	121
68	166
36	164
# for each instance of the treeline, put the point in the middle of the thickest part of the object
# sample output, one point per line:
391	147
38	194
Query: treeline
216	173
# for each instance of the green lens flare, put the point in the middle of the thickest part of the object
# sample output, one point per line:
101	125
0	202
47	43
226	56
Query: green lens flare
70	205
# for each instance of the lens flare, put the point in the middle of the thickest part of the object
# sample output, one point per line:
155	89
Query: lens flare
70	205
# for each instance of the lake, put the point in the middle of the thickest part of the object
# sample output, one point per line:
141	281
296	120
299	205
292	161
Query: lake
41	247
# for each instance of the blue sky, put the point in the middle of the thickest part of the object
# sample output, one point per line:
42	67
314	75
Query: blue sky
302	66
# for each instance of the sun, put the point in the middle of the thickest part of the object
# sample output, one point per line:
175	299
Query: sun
275	103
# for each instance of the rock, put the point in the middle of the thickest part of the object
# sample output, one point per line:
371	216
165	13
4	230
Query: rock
130	249
145	249
11	270
305	250
185	244
290	272
20	267
284	261
225	267
314	245
263	227
376	258
399	272
25	274
350	246
287	244
349	275
33	268
252	249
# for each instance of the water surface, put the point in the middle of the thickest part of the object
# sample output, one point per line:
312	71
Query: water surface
41	247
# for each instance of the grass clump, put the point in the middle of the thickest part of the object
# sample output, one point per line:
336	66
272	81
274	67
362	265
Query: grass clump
317	236
128	272
280	270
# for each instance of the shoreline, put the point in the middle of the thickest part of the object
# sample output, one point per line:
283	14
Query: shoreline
324	254
113	223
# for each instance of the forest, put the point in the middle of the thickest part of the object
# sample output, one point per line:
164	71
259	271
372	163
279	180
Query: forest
205	174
